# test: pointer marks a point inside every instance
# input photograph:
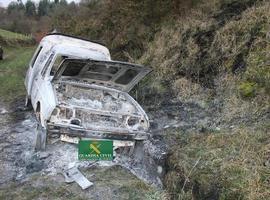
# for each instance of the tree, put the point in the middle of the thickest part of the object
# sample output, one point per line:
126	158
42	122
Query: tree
15	7
63	2
30	8
43	7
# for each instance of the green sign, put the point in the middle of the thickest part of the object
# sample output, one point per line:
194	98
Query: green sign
95	150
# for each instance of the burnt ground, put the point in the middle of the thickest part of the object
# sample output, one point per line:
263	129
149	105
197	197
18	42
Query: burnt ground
24	169
135	176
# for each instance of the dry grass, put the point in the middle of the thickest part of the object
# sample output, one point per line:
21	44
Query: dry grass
200	47
232	164
173	48
247	41
186	90
236	110
220	166
175	55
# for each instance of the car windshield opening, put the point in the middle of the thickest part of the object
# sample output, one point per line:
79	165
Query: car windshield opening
94	70
73	68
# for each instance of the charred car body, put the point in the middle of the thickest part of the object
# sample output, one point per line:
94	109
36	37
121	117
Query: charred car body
77	90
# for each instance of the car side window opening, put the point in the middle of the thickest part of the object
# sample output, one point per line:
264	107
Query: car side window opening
59	59
36	56
48	63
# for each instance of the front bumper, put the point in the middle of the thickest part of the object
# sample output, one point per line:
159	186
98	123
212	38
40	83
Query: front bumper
83	133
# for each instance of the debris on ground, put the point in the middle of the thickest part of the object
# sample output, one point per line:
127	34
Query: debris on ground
73	174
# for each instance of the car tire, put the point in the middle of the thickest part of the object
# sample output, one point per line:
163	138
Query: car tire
41	138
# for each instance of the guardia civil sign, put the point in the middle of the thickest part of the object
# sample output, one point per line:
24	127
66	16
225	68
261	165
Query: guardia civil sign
95	150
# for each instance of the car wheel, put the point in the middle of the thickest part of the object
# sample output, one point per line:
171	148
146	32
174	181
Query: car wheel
41	138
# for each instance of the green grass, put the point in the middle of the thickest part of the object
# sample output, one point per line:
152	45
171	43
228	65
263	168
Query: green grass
9	38
13	36
12	72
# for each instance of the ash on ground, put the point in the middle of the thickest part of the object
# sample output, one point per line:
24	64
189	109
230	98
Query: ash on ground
18	159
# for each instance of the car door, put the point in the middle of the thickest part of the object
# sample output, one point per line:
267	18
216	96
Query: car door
32	70
35	82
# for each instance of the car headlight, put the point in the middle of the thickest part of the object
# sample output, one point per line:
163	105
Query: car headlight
132	121
76	122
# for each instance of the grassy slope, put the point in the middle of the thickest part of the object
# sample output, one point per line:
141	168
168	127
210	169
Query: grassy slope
17	54
231	58
217	55
13	36
220	165
208	60
8	38
12	71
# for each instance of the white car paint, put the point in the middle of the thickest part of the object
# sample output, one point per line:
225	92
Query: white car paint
39	88
43	88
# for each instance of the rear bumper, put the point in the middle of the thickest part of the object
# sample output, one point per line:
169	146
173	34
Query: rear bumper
81	132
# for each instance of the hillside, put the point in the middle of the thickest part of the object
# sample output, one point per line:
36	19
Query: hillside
18	50
208	94
8	38
211	77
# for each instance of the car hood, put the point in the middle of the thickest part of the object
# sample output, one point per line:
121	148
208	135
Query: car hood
112	74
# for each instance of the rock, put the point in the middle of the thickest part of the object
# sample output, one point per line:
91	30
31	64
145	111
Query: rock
43	155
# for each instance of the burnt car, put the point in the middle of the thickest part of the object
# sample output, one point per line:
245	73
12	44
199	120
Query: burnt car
77	90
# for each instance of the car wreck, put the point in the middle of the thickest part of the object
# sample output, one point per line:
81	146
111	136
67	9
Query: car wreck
77	90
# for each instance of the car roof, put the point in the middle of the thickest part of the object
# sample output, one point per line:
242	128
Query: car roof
63	41
76	37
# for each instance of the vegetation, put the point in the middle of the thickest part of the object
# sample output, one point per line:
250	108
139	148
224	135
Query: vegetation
12	72
17	54
30	18
210	53
223	165
9	38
